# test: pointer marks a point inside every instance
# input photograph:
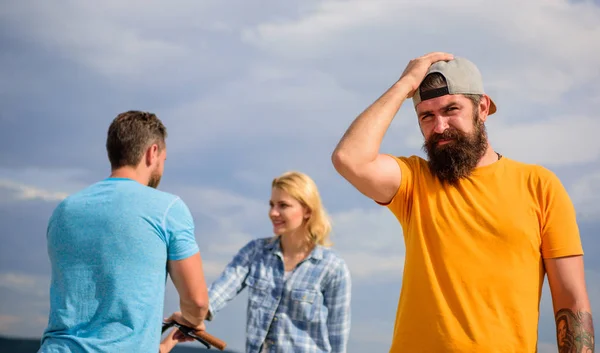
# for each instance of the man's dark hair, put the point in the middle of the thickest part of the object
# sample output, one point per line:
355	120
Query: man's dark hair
130	134
436	80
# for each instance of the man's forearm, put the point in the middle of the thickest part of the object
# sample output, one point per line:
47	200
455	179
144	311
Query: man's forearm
361	142
574	331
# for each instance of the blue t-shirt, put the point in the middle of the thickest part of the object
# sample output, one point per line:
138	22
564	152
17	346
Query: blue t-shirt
108	246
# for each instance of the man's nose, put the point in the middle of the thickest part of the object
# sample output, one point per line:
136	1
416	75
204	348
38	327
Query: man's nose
440	124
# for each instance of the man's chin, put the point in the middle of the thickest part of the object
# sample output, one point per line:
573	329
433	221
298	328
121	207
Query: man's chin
154	183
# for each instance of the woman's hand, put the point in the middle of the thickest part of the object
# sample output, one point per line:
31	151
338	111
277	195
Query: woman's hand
173	337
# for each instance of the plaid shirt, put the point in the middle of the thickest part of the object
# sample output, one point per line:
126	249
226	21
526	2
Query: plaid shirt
308	312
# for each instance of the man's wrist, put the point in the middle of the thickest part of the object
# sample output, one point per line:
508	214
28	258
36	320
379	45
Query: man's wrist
403	88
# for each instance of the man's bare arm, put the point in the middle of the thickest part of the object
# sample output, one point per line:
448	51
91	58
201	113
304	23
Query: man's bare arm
573	314
357	156
188	277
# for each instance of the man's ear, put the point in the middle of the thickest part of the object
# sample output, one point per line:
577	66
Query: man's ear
151	154
484	107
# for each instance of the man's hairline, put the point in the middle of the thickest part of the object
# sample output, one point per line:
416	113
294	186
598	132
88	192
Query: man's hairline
162	145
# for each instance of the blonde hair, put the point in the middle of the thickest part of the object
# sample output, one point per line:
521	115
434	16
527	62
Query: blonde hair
302	188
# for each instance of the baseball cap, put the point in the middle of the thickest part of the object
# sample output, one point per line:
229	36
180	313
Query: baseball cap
462	77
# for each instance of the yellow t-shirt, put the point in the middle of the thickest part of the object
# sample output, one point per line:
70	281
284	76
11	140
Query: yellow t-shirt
474	256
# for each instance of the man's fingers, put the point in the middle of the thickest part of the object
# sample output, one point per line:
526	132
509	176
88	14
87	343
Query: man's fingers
173	317
438	56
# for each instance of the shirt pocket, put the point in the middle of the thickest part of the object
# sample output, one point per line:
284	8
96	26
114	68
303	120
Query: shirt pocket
304	305
257	290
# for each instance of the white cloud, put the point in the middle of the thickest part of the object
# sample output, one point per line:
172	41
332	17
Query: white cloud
369	30
104	38
232	214
533	63
266	103
373	332
585	194
231	211
545	347
151	40
25	283
22	192
137	40
24	304
8	321
561	140
371	243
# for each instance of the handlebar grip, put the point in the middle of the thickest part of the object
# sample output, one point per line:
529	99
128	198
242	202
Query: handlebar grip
212	340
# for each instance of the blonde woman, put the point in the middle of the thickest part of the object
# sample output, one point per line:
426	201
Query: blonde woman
298	288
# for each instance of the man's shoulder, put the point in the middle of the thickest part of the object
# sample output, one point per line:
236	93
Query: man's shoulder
145	196
531	170
74	198
411	159
159	195
413	162
118	193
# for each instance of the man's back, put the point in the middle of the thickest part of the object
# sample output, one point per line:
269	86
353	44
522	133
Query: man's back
108	247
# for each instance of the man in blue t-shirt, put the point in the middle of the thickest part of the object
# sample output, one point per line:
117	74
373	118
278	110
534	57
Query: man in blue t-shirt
111	246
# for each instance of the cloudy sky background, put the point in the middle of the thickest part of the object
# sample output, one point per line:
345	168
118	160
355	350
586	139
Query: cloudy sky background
249	90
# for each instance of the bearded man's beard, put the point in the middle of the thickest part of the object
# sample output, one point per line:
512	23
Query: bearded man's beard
154	179
456	159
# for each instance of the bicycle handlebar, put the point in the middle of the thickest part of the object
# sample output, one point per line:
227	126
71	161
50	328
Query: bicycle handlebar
201	336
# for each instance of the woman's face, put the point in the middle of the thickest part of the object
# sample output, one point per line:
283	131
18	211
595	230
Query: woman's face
286	213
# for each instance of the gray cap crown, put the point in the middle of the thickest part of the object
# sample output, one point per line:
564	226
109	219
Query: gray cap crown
462	77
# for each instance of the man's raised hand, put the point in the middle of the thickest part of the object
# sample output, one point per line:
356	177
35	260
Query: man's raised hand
415	71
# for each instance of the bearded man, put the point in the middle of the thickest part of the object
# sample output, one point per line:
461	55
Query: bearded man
481	230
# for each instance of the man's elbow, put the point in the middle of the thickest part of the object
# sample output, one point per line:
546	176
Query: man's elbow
200	302
337	159
342	162
196	306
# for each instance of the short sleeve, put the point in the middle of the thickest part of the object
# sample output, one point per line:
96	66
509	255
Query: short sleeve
400	203
179	228
560	232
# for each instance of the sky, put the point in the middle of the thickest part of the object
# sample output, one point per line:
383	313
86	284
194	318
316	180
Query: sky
249	90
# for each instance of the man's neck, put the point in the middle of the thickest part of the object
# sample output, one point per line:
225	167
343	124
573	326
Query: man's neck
128	173
490	156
